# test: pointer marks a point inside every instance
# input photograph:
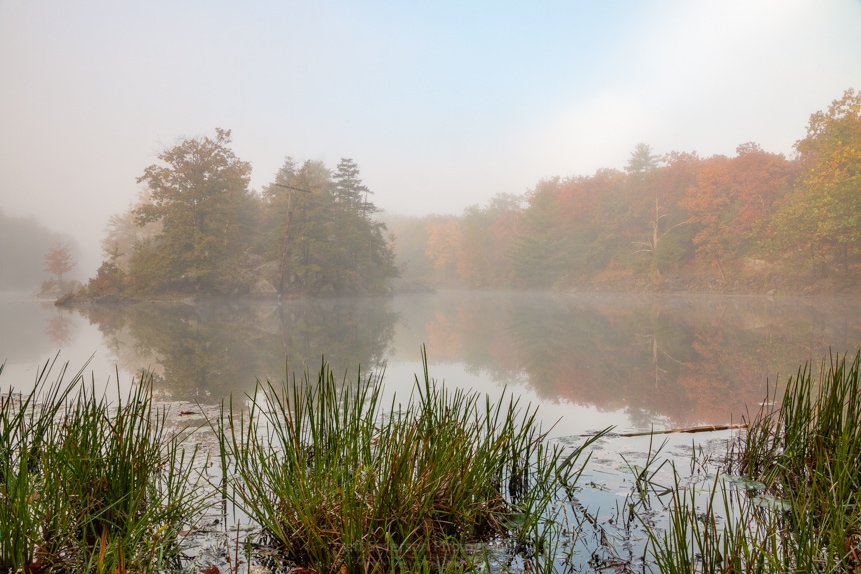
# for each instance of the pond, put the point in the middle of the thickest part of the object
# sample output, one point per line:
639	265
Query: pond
588	361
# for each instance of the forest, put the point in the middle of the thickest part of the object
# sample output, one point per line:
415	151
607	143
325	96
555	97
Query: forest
756	222
198	229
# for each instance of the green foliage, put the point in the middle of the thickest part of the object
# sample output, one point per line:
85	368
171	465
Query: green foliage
792	502
322	231
198	229
539	253
338	479
85	487
201	198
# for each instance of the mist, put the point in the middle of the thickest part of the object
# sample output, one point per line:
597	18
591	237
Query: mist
443	106
24	244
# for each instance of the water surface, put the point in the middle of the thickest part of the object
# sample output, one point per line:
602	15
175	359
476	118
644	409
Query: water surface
590	360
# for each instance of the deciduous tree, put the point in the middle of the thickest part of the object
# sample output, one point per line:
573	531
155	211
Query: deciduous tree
824	212
58	260
200	195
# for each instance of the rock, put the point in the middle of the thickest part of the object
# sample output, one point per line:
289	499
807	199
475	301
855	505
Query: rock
65	300
107	300
263	287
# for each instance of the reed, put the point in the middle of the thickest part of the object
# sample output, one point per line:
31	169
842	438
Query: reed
340	481
791	504
26	434
89	487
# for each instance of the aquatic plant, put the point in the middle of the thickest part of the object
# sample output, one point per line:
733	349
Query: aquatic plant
787	499
87	486
339	481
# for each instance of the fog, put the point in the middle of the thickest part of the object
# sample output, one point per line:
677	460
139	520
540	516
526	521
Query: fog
442	105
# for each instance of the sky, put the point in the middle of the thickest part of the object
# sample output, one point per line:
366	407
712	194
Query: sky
442	104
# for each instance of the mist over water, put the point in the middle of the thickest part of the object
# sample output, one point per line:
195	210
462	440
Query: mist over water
590	360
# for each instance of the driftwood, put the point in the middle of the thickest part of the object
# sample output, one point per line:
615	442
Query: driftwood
705	428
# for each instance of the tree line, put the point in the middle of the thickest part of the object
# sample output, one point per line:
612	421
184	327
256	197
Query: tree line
753	219
198	228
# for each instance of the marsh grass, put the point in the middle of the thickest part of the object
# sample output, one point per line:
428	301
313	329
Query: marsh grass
340	481
787	497
89	487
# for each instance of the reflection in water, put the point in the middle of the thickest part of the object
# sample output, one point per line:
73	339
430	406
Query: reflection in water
663	360
205	352
671	360
59	328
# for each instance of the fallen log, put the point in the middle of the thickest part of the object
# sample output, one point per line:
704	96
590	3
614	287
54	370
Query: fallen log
704	428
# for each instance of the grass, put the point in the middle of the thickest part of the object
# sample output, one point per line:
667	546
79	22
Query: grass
342	482
787	499
86	487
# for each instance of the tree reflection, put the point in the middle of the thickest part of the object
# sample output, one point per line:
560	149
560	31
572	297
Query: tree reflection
665	360
205	352
670	360
59	328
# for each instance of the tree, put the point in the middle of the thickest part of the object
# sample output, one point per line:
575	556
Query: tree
321	228
641	170
824	211
642	161
349	193
444	239
59	260
732	201
540	253
201	198
123	234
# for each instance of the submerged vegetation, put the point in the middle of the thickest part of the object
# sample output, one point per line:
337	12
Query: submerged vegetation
339	479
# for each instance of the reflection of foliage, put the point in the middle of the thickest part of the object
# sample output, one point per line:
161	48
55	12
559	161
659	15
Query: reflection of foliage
59	328
206	352
689	359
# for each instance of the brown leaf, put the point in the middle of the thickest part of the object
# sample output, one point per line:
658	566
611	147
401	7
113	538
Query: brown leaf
182	413
211	570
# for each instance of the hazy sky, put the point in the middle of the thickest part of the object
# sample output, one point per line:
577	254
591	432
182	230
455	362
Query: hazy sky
441	103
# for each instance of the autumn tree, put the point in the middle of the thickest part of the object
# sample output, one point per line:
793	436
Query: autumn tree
58	260
444	240
649	201
823	214
733	200
200	196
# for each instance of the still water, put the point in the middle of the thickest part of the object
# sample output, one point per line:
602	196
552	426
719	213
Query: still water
589	361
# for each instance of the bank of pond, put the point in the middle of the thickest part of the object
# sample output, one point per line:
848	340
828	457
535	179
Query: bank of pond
321	474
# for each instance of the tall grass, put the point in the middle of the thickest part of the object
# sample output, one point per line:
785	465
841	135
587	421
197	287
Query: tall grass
342	482
27	431
798	510
89	487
